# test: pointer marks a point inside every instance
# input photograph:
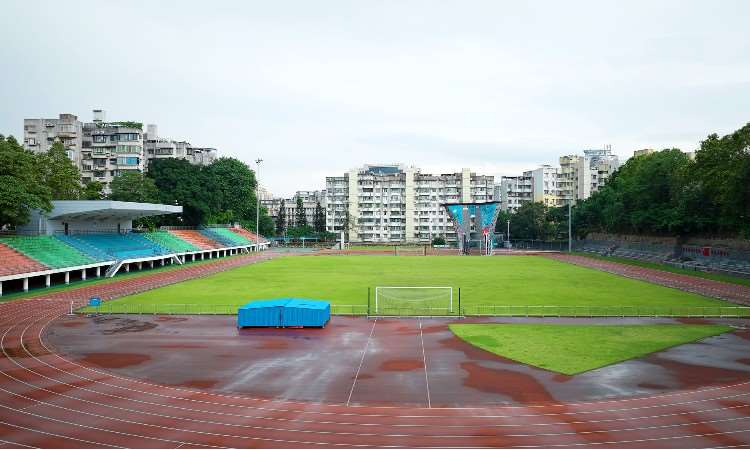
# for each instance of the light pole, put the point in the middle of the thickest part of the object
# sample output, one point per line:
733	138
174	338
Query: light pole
257	197
508	233
570	229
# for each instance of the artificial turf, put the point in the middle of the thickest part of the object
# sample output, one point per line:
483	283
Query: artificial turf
515	281
572	349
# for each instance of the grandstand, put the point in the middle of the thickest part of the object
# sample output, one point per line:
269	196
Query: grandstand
225	236
80	239
196	238
250	235
168	240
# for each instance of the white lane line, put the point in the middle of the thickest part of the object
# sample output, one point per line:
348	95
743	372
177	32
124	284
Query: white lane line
424	361
361	361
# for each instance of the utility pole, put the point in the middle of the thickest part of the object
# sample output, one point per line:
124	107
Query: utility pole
257	197
570	229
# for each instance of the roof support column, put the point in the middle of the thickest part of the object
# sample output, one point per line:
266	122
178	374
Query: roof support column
25	284
47	280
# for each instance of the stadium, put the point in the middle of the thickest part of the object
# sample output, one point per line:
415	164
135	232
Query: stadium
209	337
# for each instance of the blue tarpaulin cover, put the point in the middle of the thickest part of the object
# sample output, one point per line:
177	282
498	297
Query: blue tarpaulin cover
284	312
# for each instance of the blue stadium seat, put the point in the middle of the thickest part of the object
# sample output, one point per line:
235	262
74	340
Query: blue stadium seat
107	246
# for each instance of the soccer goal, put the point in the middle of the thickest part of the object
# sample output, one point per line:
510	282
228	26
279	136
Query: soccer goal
414	301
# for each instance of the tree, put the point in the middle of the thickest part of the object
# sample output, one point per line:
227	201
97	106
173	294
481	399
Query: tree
438	240
300	216
179	182
133	186
59	173
22	186
319	219
281	218
93	190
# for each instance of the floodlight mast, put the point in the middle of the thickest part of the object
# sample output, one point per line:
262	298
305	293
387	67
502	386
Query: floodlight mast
257	198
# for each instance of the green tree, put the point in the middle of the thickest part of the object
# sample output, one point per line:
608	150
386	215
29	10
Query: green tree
721	176
133	186
281	218
22	186
320	219
300	216
93	190
59	173
181	183
530	221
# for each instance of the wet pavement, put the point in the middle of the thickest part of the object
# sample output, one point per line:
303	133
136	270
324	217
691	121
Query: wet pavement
395	362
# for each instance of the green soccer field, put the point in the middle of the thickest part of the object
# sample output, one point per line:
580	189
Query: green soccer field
515	285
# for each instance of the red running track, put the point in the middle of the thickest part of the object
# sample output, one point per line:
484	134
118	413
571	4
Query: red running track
47	400
711	288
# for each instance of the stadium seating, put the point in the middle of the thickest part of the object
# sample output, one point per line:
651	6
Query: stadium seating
116	246
226	237
170	241
14	262
197	239
48	251
250	235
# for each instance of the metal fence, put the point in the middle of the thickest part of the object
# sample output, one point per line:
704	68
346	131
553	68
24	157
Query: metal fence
471	310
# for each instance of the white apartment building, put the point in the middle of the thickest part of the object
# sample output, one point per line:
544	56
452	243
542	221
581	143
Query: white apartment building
40	134
103	150
310	200
109	149
544	184
157	147
512	192
394	203
582	175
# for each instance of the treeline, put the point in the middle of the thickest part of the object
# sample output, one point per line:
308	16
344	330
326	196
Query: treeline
662	193
221	192
31	181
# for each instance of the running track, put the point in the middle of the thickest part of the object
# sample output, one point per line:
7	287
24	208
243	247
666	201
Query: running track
711	288
47	400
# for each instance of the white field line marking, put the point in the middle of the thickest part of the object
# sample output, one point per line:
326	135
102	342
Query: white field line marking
361	361
424	362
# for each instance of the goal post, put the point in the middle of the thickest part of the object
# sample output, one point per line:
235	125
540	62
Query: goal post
414	301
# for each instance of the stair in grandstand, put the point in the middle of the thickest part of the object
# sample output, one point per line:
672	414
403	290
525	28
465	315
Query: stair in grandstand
48	250
15	262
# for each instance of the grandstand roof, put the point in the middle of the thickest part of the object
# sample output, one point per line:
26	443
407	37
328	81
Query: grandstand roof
107	209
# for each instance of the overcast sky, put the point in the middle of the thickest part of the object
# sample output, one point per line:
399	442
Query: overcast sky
317	87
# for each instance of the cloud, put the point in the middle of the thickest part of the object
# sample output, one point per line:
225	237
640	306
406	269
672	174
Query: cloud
316	88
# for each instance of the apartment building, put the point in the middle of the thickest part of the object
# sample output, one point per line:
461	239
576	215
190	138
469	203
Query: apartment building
109	149
157	147
544	184
394	203
512	192
102	150
310	200
582	175
40	134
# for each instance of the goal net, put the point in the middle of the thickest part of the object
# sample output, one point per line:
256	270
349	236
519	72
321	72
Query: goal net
414	301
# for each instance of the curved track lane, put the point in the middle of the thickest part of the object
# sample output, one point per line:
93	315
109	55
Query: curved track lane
47	400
